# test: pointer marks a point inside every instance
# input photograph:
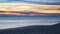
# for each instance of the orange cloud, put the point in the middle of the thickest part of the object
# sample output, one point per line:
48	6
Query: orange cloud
44	9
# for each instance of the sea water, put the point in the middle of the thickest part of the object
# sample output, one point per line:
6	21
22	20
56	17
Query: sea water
22	21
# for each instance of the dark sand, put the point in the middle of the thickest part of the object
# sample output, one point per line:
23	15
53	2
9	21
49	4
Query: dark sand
37	29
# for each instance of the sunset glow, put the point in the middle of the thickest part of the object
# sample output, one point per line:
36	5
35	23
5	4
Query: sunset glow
9	9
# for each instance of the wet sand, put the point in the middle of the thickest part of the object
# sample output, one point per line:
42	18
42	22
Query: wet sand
36	29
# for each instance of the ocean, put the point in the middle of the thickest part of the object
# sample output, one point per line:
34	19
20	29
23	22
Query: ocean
22	21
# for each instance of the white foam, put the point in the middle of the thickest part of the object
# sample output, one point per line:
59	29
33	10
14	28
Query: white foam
5	24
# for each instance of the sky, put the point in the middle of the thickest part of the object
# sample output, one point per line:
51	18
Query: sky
34	1
40	6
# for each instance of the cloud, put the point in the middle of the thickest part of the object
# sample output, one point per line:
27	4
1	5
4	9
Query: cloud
24	7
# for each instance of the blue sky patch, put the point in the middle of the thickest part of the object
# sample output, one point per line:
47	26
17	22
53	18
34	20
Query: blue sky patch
32	1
